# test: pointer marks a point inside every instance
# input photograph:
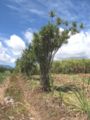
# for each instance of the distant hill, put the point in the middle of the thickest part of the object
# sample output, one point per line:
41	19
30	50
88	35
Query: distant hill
4	68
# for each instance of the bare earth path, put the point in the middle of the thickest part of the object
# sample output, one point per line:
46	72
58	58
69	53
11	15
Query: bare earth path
30	108
3	88
6	84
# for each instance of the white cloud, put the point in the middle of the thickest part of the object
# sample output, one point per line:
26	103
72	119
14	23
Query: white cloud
16	44
3	54
26	8
37	12
28	36
13	50
78	46
1	48
5	57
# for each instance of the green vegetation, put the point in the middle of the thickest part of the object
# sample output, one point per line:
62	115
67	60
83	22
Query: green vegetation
44	46
37	58
71	66
5	71
78	101
26	64
46	43
4	75
4	68
67	92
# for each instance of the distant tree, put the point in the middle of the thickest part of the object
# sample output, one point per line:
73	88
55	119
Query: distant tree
46	43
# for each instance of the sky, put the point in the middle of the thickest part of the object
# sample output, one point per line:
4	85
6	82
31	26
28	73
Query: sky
20	18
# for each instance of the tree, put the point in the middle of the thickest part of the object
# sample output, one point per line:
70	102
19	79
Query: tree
46	43
26	64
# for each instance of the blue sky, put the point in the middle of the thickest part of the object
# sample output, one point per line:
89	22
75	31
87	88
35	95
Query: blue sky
20	18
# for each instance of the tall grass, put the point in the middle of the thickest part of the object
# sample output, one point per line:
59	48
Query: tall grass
71	66
84	102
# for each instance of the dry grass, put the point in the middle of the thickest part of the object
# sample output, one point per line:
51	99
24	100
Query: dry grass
31	102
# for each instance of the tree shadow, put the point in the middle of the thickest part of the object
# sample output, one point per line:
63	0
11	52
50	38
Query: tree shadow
66	88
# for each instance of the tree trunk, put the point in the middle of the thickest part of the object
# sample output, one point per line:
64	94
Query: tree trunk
45	79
